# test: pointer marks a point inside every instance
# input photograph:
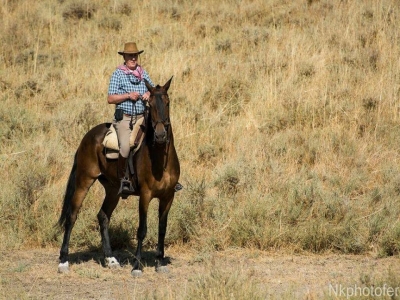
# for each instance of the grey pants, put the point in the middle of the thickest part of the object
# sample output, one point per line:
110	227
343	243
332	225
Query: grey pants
123	133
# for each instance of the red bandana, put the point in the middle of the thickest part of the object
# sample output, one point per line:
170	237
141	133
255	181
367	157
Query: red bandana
138	72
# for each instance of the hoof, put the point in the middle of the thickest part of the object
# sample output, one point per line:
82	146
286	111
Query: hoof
112	263
63	267
162	269
136	273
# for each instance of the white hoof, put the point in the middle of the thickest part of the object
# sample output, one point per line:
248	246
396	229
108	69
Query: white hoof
63	267
112	263
136	273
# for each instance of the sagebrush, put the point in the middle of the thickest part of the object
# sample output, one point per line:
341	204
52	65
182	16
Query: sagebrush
286	117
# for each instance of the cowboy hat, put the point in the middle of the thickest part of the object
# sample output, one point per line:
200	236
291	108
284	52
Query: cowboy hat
130	48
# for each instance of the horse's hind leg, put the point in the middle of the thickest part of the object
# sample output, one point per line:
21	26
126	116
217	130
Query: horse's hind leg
110	202
81	189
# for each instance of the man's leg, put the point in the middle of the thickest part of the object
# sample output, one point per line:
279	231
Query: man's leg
124	133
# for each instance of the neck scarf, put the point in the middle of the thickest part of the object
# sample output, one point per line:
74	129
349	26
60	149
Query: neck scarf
138	72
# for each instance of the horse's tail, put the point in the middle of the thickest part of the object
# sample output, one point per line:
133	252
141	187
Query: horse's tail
69	193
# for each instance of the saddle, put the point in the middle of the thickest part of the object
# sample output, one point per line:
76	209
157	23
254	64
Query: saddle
111	151
110	142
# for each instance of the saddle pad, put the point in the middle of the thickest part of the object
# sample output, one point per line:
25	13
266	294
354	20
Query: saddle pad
111	140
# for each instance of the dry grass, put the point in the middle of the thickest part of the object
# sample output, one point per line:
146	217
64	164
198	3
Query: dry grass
232	274
286	116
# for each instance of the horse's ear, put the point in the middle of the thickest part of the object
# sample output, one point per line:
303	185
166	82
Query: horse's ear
166	86
149	86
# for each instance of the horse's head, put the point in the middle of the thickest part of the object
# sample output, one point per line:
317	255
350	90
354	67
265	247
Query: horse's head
159	111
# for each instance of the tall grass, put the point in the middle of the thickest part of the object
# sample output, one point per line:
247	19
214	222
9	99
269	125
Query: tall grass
286	117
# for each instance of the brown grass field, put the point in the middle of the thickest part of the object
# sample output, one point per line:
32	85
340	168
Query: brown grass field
286	119
228	274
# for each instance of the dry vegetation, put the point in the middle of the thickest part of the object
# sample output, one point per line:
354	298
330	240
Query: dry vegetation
286	116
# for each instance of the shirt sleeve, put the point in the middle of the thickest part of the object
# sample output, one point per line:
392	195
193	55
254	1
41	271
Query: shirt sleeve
113	87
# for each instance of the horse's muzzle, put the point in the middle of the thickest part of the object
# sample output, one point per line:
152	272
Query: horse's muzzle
160	135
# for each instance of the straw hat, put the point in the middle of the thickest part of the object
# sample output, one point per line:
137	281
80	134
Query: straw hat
130	48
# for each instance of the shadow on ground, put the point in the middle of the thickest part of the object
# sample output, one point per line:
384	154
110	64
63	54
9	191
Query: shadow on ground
124	257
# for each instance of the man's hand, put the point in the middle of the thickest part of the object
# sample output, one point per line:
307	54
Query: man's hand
134	96
146	96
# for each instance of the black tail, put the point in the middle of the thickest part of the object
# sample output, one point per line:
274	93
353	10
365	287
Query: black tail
69	193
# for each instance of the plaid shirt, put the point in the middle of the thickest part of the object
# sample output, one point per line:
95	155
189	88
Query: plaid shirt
121	83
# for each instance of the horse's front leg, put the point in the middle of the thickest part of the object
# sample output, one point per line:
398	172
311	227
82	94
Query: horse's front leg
163	210
110	202
144	201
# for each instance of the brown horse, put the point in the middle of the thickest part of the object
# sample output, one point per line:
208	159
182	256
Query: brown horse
157	170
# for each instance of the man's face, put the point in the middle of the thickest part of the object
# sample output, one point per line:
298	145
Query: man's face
131	60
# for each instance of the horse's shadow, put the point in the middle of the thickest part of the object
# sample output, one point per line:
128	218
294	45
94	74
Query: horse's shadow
123	251
124	256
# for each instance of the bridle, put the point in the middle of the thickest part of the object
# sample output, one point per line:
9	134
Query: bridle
162	116
161	123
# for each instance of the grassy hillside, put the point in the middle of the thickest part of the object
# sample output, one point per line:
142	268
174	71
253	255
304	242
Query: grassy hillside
286	116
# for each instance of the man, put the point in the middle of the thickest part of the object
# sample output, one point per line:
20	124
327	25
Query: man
127	90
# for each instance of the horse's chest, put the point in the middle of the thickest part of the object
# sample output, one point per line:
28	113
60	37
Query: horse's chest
164	182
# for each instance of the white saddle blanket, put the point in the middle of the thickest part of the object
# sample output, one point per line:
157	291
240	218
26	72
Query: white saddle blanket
111	140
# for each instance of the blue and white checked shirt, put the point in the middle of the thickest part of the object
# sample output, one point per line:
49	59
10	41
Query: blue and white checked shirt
121	83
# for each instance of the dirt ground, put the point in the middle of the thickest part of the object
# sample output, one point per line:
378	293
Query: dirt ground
32	274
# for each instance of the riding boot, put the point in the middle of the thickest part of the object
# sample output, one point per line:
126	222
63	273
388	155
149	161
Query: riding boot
126	187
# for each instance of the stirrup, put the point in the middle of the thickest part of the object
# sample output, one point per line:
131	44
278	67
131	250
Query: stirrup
126	188
178	187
